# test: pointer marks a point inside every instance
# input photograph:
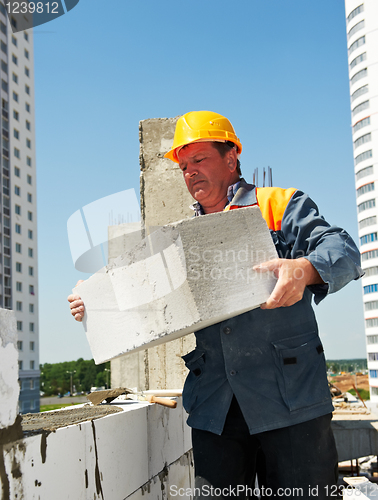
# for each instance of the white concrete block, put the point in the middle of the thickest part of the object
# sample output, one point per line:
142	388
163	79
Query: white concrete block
166	441
182	278
9	387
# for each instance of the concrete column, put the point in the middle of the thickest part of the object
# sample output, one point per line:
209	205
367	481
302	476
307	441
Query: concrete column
164	199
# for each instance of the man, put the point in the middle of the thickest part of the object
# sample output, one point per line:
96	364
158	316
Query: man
257	393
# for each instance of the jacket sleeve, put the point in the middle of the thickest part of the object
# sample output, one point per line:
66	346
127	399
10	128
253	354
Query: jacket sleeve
330	249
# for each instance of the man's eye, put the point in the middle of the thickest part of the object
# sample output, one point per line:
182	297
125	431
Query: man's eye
183	169
199	160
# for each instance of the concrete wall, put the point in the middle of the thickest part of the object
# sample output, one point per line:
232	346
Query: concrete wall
128	449
164	199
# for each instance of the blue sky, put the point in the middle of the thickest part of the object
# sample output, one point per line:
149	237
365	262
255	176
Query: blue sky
277	69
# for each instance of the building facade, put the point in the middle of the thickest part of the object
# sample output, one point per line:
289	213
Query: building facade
362	40
18	208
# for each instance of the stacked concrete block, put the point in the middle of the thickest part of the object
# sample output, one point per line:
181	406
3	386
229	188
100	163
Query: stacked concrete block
164	199
182	278
133	453
9	387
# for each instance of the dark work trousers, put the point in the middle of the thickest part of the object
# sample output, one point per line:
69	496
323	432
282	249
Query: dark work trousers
299	461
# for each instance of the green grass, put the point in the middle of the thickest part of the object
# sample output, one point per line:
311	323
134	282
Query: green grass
364	393
55	407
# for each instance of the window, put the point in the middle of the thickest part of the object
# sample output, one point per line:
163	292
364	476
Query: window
18	286
30	252
26	36
357	27
364	172
14	40
4	66
4	85
27	123
355	12
18	306
27	72
31	344
369	221
17	209
373	373
28	161
362	123
26	53
31	289
17	153
27	89
361	107
368	238
372	254
16	133
19	326
20	368
32	385
31	271
18	228
16	171
363	156
371	288
27	107
357	60
372	339
29	198
31	308
30	234
31	327
15	78
19	267
373	356
14	59
365	189
3	10
32	365
17	190
13	22
3	28
371	271
19	342
358	76
28	143
3	47
15	96
362	140
30	216
18	247
15	115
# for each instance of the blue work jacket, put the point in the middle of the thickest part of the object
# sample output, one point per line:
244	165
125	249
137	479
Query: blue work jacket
272	360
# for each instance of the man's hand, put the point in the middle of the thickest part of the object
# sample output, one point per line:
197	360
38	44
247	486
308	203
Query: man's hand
76	305
293	277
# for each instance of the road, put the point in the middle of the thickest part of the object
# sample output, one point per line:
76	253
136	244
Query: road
65	400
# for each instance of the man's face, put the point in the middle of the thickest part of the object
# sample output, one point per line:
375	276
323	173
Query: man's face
207	175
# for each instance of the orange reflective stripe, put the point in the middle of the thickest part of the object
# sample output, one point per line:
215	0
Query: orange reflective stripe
272	202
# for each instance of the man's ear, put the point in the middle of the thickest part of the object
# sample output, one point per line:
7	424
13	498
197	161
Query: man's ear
232	159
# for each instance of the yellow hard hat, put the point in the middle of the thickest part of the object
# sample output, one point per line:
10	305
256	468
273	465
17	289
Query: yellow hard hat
198	126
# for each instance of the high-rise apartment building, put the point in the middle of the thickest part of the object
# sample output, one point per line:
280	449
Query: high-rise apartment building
362	39
18	207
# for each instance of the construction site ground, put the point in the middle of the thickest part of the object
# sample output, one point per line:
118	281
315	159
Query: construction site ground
346	382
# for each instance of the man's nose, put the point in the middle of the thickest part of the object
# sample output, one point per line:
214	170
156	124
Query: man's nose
192	169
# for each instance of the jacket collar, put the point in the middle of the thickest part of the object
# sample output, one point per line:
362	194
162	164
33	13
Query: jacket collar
240	194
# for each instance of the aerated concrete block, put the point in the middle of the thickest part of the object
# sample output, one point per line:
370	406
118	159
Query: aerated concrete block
9	387
184	277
